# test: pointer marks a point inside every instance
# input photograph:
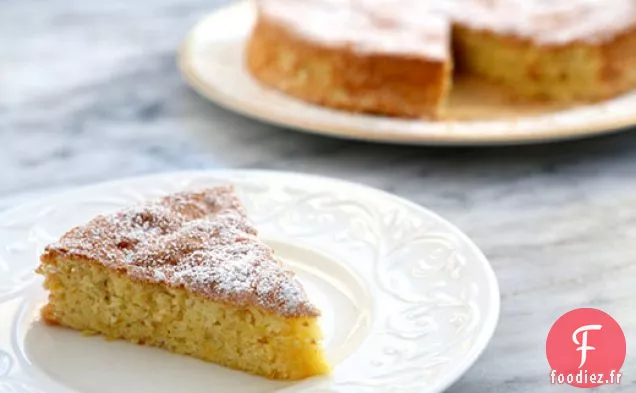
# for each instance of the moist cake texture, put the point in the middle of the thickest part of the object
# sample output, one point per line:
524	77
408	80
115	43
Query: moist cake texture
188	273
558	50
396	57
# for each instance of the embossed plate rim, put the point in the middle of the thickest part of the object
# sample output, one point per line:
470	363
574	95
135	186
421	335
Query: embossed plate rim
555	127
489	311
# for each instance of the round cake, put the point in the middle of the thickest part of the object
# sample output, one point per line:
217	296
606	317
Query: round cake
398	57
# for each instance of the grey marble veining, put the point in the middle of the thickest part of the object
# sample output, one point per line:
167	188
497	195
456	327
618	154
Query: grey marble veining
89	91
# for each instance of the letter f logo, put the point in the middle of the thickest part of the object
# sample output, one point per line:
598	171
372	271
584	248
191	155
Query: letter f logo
583	344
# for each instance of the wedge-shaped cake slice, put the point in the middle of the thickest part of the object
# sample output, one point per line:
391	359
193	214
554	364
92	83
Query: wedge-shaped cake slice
186	273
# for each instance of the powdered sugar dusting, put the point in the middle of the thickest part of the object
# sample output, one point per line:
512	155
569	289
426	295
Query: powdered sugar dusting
423	26
550	22
367	26
201	241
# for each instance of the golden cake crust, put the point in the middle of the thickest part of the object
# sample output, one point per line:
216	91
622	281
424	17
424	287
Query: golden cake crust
374	61
200	241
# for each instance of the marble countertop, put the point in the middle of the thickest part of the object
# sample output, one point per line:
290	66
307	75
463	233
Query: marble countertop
90	91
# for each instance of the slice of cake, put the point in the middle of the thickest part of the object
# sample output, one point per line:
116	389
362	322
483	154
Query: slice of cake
362	56
186	273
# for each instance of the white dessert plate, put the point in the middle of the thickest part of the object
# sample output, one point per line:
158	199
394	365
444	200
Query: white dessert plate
408	302
212	61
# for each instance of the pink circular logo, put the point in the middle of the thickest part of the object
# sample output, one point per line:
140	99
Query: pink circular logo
586	348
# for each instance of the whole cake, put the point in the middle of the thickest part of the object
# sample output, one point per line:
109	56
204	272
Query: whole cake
187	273
397	57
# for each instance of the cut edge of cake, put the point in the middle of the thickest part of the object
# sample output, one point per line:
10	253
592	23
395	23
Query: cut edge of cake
575	72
